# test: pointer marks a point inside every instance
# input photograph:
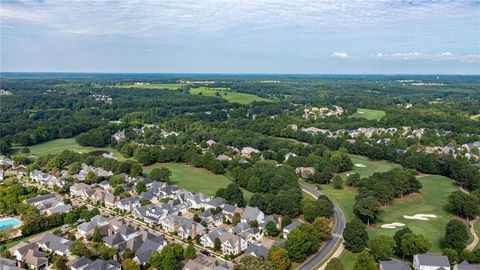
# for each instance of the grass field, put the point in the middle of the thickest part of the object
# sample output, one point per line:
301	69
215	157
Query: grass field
369	114
230	96
169	86
431	200
59	145
193	179
371	166
348	259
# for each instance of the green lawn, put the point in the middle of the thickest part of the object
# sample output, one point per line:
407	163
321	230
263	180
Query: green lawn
431	200
371	166
369	114
230	96
348	259
169	86
193	179
58	145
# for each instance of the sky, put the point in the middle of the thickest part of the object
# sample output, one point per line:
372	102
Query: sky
241	36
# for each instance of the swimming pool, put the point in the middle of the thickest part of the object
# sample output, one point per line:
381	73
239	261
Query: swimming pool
9	222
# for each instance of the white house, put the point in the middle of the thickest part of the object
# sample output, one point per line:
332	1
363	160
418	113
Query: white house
430	262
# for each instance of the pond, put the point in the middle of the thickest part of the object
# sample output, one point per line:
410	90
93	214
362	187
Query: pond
8	223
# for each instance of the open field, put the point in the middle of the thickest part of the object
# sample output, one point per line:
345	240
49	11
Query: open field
371	166
369	114
348	259
230	96
169	86
59	145
431	200
191	178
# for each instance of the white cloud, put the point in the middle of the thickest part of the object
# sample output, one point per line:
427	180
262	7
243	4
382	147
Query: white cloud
341	55
417	56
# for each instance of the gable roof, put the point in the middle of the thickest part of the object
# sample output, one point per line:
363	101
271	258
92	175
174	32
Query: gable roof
40	198
428	259
395	265
259	251
56	243
103	265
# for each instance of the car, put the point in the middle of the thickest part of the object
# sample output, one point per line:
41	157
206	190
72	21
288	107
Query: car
206	252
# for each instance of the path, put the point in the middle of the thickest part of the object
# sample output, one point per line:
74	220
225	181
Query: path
474	233
331	244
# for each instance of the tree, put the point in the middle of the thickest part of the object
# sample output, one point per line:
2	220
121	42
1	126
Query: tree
190	252
130	264
59	262
279	258
367	209
169	260
310	210
252	262
161	174
103	251
301	242
128	254
353	179
355	236
365	261
334	264
155	260
452	255
398	239
382	247
338	182
217	245
78	248
412	244
118	190
463	204
286	220
322	226
96	236
236	219
140	187
456	235
232	194
271	228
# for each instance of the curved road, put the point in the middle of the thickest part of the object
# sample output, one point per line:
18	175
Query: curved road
337	232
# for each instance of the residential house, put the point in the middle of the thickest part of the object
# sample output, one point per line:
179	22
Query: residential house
229	211
78	188
82	175
128	204
185	227
466	266
46	179
99	264
30	254
252	213
232	244
49	204
6	163
257	251
151	243
430	262
79	263
295	223
208	240
305	172
153	214
394	265
119	136
203	262
86	229
56	244
248	151
6	264
251	234
276	219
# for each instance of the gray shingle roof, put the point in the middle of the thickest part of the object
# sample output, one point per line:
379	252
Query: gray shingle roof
395	265
433	260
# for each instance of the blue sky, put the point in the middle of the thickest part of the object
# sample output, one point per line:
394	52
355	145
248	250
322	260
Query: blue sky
238	36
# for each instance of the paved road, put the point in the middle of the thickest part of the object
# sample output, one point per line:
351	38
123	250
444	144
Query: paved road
332	242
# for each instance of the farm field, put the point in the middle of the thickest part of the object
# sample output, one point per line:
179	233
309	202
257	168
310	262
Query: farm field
59	145
431	200
194	179
369	114
169	86
230	96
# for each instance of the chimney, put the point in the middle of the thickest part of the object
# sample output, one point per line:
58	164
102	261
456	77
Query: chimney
110	230
194	230
102	196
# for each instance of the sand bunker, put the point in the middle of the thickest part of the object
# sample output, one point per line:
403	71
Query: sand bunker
393	225
360	165
421	217
361	112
